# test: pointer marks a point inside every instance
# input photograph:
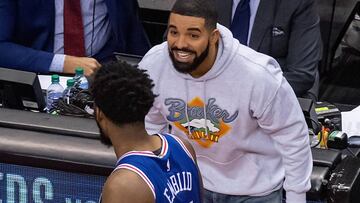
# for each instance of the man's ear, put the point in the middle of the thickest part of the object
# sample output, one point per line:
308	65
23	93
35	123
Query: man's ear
99	115
215	36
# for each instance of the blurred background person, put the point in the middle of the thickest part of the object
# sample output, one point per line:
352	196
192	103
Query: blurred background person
60	35
289	31
342	85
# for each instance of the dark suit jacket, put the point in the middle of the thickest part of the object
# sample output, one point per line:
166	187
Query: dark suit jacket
289	31
27	33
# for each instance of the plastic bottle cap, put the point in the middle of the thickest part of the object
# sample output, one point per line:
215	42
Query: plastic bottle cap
70	82
79	71
55	78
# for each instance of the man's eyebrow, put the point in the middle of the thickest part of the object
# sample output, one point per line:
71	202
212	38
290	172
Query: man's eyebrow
189	29
172	26
194	29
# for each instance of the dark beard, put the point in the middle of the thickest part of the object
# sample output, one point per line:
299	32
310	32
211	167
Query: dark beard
103	138
188	67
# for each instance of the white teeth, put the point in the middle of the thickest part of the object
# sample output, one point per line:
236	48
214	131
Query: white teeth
183	54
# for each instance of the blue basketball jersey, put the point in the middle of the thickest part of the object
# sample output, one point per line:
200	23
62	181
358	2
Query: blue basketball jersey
172	175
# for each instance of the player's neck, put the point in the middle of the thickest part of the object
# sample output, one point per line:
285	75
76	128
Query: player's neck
134	138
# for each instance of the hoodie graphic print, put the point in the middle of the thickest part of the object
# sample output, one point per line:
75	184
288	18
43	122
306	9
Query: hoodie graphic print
205	130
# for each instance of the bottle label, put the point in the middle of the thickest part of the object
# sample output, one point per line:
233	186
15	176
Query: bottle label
30	104
51	98
84	86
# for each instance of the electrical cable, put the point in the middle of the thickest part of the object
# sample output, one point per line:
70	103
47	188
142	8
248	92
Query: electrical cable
319	141
319	125
80	104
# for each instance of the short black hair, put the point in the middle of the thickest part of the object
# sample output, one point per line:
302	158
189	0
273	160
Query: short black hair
123	92
198	8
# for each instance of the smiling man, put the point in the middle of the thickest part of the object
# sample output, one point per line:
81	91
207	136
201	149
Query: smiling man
249	147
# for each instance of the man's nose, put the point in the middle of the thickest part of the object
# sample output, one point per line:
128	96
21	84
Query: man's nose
181	42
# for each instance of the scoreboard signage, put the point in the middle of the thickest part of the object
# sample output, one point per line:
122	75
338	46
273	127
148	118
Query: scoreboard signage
25	184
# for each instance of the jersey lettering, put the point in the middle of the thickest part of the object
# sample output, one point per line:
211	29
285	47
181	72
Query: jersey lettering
178	183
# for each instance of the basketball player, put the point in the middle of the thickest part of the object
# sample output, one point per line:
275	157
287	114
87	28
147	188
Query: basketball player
150	168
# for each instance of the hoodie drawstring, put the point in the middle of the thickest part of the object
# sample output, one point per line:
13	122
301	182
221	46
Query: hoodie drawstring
205	113
186	106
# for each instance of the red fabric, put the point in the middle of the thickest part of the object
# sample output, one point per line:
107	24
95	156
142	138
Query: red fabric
73	29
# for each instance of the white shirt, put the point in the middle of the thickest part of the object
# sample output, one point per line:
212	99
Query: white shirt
254	4
101	30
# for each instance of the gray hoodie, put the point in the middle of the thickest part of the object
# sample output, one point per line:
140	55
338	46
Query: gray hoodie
251	133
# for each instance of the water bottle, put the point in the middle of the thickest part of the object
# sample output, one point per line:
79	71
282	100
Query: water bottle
53	93
80	79
67	92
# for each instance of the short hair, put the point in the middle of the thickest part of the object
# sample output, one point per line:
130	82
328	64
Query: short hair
198	8
123	92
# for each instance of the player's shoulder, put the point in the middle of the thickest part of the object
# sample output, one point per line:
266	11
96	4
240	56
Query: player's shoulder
125	184
185	144
123	179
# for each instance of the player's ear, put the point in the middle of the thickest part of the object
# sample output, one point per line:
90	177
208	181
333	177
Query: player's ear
99	115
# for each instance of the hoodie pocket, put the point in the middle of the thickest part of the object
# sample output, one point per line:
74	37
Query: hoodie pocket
242	174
